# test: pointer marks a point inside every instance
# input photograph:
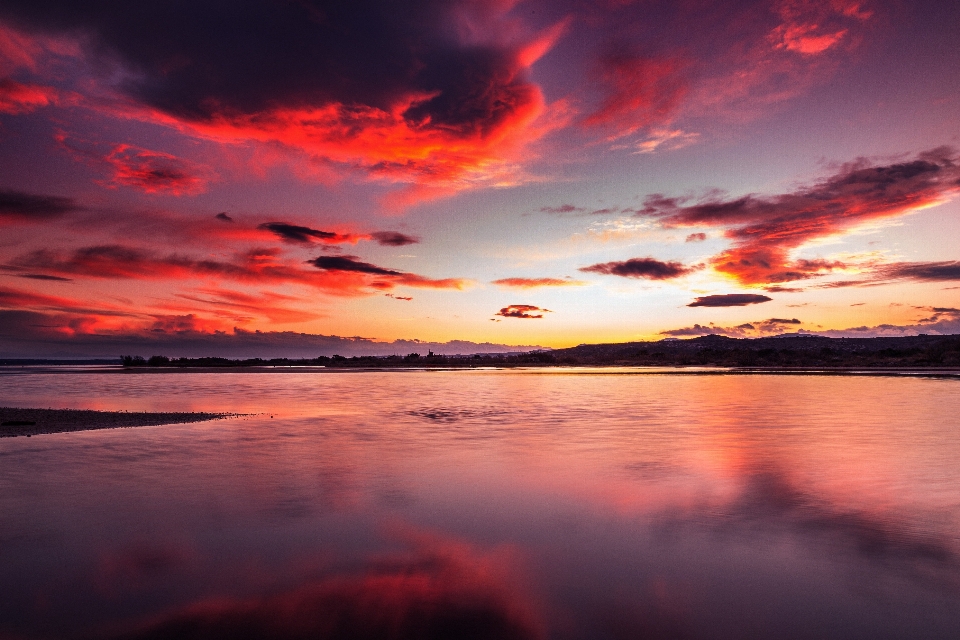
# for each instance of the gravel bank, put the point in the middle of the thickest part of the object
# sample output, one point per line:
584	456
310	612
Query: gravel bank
31	422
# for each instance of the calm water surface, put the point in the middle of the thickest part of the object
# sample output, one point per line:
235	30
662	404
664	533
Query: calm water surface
487	504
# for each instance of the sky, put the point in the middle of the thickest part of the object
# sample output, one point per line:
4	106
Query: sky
307	178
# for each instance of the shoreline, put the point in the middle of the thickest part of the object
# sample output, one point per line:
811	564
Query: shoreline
598	368
15	422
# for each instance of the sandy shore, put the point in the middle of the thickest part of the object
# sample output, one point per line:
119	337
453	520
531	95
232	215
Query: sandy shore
31	422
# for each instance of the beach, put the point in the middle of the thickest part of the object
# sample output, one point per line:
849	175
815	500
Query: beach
30	422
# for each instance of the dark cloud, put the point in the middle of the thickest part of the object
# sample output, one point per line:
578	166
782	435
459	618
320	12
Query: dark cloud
569	208
406	298
696	237
296	233
350	263
729	300
923	271
765	229
393	238
779	289
43	276
782	321
649	268
223	216
360	52
525	311
21	206
945	271
415	95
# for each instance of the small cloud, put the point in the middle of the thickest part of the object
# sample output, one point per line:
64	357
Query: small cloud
563	208
393	238
43	276
525	311
17	98
729	300
390	295
530	283
352	264
223	216
779	289
696	237
648	268
19	205
858	304
299	234
666	140
155	172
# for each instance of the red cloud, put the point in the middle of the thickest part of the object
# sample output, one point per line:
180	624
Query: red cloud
811	27
794	45
69	317
231	304
436	160
259	266
439	99
639	91
143	169
530	283
155	172
525	311
16	98
765	229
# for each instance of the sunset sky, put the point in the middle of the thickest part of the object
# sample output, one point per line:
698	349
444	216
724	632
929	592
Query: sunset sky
178	176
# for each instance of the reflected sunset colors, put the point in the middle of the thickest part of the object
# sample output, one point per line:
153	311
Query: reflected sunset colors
488	504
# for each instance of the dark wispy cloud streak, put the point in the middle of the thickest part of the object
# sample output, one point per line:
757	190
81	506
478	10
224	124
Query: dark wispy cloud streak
923	271
351	263
297	233
21	206
729	300
393	238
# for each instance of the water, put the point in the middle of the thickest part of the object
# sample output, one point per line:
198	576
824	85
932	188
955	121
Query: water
502	504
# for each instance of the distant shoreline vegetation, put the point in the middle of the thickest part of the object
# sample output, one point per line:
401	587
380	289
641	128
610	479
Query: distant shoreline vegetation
713	350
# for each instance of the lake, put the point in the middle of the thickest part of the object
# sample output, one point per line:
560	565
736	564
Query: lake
541	503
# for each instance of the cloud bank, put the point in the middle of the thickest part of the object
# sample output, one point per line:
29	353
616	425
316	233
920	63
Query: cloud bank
765	229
